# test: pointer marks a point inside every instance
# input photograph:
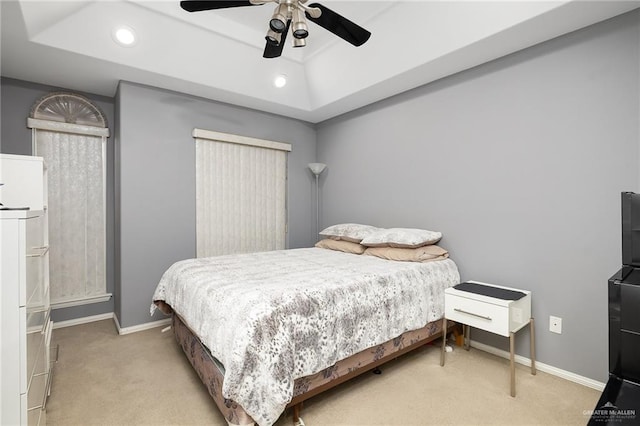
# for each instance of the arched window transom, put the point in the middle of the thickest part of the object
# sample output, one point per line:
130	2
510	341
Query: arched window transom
68	108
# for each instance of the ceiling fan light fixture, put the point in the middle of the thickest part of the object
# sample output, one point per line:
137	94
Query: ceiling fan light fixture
299	25
277	25
273	37
278	21
300	32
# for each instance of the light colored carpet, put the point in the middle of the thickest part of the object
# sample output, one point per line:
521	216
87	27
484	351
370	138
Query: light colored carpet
144	379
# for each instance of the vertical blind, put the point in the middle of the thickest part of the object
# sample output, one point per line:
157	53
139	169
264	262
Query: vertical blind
241	194
76	210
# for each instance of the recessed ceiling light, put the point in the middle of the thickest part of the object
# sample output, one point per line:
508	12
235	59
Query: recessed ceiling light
124	36
280	81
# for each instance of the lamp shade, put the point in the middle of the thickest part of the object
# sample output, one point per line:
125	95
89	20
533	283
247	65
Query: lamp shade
317	168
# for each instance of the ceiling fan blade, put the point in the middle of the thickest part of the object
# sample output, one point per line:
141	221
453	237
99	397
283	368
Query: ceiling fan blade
339	25
200	5
275	50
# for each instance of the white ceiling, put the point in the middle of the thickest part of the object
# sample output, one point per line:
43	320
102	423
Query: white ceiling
218	54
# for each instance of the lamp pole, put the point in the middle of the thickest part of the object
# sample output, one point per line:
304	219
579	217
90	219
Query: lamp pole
317	169
317	207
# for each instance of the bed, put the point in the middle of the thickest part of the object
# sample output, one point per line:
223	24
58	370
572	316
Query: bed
266	331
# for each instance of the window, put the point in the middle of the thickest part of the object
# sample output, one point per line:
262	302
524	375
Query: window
241	187
70	133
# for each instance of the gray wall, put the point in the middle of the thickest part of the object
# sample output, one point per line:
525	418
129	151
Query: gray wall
17	97
520	163
156	188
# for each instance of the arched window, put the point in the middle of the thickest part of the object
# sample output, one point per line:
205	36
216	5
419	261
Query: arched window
68	108
70	132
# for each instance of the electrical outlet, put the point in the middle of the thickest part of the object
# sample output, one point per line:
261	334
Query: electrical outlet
555	324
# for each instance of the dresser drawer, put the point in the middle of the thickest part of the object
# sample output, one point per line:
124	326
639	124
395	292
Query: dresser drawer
36	264
630	361
629	303
35	232
37	320
36	395
483	315
39	376
35	280
36	418
36	362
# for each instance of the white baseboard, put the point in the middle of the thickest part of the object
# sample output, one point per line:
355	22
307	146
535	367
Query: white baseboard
567	375
83	320
140	327
79	302
111	315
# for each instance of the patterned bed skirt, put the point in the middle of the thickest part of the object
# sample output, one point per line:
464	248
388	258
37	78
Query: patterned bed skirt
211	372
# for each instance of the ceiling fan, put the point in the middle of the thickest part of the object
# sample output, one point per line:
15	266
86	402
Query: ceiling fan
290	14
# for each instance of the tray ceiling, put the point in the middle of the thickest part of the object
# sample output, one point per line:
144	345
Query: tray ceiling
218	54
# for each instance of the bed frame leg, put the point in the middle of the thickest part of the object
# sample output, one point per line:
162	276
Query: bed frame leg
297	420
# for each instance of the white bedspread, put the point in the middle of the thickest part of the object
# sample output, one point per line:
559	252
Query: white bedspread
273	317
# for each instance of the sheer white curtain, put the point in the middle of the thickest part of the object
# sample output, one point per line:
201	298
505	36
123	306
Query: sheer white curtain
76	210
241	194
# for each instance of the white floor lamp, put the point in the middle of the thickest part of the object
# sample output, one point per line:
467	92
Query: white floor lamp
317	169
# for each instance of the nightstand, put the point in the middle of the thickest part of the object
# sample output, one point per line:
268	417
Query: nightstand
493	308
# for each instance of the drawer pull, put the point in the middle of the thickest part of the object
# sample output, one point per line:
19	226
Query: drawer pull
47	390
471	313
43	251
57	349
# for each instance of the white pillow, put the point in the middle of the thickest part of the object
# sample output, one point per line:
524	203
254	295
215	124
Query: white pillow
401	237
353	232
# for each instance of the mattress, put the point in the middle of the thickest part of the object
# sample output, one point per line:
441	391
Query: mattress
274	317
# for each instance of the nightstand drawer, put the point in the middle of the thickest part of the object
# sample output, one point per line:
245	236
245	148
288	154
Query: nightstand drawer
482	315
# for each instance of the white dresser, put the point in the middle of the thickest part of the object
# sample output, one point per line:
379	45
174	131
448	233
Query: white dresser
25	326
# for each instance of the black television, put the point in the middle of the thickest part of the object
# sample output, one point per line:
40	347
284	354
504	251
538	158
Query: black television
619	403
630	234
